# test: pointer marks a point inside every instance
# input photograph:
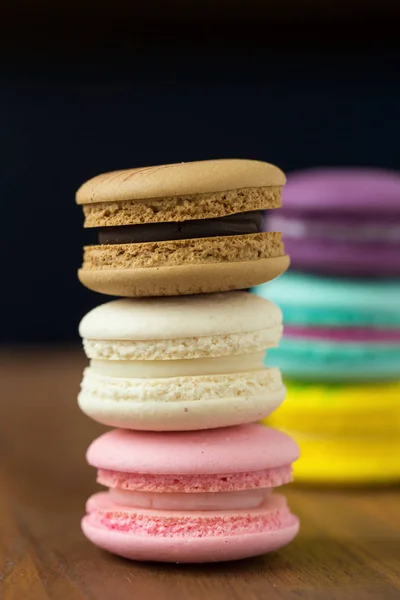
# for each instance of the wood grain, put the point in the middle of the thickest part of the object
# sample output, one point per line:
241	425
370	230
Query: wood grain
349	546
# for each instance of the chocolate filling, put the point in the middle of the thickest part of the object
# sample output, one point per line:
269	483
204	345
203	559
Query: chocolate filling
239	224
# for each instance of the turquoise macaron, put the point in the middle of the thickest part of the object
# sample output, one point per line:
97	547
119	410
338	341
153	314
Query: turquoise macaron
336	329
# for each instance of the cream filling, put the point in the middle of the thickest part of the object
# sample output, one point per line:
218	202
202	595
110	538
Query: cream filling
146	369
241	500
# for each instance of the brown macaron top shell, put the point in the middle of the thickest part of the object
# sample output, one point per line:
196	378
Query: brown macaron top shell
179	192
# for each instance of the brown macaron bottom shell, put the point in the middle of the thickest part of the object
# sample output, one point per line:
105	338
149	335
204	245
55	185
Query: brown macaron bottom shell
183	279
188	266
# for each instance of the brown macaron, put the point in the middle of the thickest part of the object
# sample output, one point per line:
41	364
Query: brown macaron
184	228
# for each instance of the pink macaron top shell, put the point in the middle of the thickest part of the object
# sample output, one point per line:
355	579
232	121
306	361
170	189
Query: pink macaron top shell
344	189
229	450
221	482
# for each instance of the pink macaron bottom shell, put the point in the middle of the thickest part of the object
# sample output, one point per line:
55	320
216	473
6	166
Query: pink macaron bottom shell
344	334
178	536
272	514
224	482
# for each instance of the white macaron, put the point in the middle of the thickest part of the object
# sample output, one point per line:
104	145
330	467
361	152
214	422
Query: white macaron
181	363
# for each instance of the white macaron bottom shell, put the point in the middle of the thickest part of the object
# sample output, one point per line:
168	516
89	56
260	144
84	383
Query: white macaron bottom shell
181	415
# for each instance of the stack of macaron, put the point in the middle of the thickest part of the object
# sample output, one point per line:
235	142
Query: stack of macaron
177	363
340	353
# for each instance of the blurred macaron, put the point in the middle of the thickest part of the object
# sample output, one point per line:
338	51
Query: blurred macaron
341	410
336	329
342	221
348	434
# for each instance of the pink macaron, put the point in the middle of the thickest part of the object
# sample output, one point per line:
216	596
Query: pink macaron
197	496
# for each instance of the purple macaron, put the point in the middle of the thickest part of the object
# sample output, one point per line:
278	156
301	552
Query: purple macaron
342	221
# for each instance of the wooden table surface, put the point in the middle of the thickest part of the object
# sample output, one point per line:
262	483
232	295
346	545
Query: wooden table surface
348	548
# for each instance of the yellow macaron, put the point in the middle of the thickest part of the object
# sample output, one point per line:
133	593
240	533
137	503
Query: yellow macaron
348	434
340	409
353	461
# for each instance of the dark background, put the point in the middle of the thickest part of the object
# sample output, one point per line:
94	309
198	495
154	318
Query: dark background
92	87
